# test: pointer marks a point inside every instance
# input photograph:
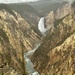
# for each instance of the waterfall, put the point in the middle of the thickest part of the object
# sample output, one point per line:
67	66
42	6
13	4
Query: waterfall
41	26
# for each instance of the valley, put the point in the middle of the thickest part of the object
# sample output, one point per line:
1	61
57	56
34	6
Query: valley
37	38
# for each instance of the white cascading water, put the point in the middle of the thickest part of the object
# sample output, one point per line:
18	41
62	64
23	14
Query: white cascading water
41	26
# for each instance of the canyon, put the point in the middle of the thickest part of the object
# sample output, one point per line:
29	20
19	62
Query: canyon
34	42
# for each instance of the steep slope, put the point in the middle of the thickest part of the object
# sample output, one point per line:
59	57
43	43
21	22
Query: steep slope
27	12
30	14
16	37
61	12
49	19
55	56
73	4
45	6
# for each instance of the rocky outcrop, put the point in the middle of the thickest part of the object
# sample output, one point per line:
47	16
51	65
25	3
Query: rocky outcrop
50	19
62	12
55	56
58	14
16	37
30	14
26	11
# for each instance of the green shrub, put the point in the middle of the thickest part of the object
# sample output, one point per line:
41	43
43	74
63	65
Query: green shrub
3	35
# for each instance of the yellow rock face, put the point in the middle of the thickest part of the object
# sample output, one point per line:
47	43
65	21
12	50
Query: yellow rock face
15	31
56	55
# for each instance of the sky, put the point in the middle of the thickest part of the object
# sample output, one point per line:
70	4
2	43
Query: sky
18	1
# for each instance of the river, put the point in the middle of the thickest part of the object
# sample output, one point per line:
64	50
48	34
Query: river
29	65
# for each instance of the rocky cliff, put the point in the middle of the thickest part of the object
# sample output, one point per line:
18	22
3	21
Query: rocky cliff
58	14
49	20
63	11
27	12
56	56
16	37
30	14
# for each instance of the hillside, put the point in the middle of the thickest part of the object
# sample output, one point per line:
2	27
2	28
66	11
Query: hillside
16	37
45	6
27	12
73	4
58	15
55	56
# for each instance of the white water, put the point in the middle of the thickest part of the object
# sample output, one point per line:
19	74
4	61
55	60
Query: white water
32	51
29	65
41	26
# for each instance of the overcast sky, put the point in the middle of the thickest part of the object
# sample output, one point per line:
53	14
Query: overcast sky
16	1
